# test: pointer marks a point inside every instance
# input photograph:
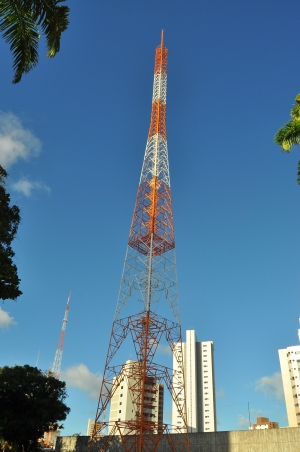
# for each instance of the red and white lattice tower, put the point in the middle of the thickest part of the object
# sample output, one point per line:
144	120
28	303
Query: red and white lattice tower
149	276
55	368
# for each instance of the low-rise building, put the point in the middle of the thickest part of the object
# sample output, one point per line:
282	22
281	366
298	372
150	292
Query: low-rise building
264	423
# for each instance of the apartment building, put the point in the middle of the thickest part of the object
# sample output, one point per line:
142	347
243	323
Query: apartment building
90	427
290	372
122	406
198	358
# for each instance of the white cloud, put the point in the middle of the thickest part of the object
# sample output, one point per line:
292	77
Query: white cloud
16	142
271	386
82	378
254	414
243	421
220	393
164	349
25	186
5	319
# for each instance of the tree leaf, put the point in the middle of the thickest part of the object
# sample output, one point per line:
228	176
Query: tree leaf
19	22
289	135
20	31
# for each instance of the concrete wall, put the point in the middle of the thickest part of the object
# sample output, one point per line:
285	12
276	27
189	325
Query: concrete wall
274	440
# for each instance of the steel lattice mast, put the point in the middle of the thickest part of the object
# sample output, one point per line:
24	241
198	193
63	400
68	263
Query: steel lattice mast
150	265
55	368
149	275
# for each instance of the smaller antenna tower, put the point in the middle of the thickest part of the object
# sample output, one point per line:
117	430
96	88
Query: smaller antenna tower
55	368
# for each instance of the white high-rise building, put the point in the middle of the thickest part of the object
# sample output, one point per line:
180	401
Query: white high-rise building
198	360
290	371
122	407
90	427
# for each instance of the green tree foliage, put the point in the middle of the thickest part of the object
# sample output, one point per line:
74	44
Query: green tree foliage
9	222
32	403
23	21
289	135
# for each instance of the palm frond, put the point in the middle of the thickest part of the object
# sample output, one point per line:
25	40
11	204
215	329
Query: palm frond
20	31
295	112
298	174
53	19
289	135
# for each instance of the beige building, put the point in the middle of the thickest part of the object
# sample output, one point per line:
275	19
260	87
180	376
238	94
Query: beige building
122	407
50	438
90	427
200	397
290	371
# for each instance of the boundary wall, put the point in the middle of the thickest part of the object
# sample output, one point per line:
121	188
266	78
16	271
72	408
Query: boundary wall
273	440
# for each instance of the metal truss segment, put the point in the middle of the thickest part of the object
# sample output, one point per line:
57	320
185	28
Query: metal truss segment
156	162
163	281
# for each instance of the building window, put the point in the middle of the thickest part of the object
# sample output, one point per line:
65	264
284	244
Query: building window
119	411
120	403
121	387
121	395
119	419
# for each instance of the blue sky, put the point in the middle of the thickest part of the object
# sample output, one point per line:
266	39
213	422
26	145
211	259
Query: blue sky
72	137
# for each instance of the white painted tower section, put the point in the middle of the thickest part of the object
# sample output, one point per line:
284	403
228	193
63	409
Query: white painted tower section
199	385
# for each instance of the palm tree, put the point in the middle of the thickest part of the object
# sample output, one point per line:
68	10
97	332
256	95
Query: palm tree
289	135
20	21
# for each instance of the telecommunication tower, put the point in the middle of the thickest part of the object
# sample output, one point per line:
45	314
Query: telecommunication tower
55	368
149	275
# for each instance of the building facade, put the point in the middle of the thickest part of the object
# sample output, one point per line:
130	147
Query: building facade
263	423
290	371
122	406
90	427
49	439
198	360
